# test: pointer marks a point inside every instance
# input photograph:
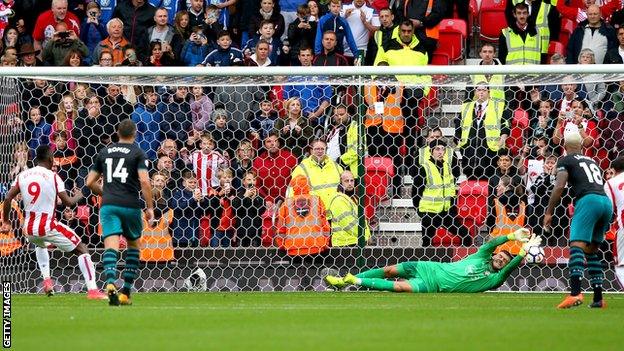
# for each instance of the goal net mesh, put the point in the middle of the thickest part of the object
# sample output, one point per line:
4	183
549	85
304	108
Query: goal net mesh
222	151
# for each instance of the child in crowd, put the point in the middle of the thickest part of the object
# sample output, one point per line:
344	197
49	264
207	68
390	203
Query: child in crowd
225	133
188	205
249	206
223	223
206	164
195	48
65	159
37	130
262	121
276	48
225	55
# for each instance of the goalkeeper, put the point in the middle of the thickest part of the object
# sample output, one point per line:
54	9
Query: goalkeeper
478	272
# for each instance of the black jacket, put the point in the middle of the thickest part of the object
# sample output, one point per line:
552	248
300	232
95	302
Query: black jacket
136	22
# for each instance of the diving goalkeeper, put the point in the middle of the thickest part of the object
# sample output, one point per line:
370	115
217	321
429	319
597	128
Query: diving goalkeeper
478	272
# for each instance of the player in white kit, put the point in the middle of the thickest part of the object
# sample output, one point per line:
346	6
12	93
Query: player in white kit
40	187
614	188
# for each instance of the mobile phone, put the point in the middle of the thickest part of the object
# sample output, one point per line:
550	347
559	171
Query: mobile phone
63	35
93	14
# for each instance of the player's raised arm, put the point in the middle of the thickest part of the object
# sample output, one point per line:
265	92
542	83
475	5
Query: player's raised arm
93	182
146	191
70	200
5	226
488	248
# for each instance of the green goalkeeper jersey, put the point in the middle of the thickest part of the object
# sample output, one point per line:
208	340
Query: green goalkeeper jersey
472	274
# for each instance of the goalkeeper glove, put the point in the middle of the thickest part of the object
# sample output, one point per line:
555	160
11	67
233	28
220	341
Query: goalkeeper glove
535	240
521	234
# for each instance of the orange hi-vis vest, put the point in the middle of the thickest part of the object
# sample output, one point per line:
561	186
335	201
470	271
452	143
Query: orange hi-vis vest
392	119
505	226
8	242
156	243
63	161
303	235
434	32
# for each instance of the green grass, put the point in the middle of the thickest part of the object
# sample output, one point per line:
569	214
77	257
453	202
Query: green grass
315	321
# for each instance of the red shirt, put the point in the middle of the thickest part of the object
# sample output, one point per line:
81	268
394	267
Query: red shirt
590	128
44	27
274	173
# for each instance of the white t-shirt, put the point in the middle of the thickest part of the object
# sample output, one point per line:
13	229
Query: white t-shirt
614	188
360	33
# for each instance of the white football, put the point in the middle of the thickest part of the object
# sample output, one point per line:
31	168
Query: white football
535	255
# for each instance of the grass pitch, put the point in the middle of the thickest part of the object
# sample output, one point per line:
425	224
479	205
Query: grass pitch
315	321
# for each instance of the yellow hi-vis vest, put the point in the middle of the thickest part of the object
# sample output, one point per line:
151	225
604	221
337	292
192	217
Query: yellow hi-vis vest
495	83
505	226
519	52
492	121
8	242
392	119
439	189
323	180
350	157
344	223
156	243
541	21
424	154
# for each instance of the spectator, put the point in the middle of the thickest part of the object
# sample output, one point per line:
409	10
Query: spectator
263	121
38	131
301	32
225	133
170	41
196	14
294	128
242	163
93	30
160	180
115	108
521	42
267	11
614	104
206	164
509	214
363	22
181	24
425	17
65	159
107	7
277	51
73	58
130	57
577	119
241	19
148	115
27	56
138	16
342	139
543	14
64	120
434	195
612	135
70	219
595	91
260	57
577	10
89	130
170	148
23	37
212	27
616	54
158	57
504	168
343	210
482	131
542	123
187	204
40	93
195	49
328	56
249	207
45	27
114	43
177	119
80	92
315	98
9	38
175	176
302	216
62	42
594	34
333	22
569	92
225	54
322	172
20	160
105	59
273	169
383	33
540	183
496	81
222	224
201	109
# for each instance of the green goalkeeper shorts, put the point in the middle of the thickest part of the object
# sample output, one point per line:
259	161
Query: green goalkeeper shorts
409	272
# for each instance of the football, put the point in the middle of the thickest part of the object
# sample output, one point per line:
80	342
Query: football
535	255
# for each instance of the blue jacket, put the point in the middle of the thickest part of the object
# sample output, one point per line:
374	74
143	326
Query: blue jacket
276	48
106	11
186	214
92	34
311	96
37	134
342	29
148	122
177	120
193	54
224	57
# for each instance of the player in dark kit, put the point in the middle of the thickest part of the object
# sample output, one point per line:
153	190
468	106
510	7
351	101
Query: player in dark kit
591	219
123	167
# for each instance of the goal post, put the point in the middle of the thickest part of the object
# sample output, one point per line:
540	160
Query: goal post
374	122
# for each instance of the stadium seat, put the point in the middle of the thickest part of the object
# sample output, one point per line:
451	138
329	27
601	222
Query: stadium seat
556	47
492	19
445	238
453	33
519	124
82	213
377	178
567	27
472	204
440	59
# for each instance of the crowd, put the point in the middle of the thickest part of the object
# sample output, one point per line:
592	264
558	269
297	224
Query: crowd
224	157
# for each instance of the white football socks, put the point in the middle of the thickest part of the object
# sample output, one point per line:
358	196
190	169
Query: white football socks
43	261
88	270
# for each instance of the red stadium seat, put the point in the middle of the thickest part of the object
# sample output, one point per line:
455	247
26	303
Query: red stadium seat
453	33
555	47
82	213
445	238
440	59
567	27
492	19
377	179
519	124
472	204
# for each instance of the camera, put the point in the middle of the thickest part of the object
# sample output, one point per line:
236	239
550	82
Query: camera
63	35
92	14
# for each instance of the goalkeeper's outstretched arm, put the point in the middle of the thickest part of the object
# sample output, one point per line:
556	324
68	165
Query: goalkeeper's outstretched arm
488	248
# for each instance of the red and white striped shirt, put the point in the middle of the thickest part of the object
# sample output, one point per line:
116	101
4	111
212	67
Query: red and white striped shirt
39	187
206	167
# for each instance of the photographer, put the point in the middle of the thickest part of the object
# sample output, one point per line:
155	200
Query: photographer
249	206
195	49
61	43
92	31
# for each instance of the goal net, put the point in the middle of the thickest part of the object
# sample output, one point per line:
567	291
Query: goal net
248	198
